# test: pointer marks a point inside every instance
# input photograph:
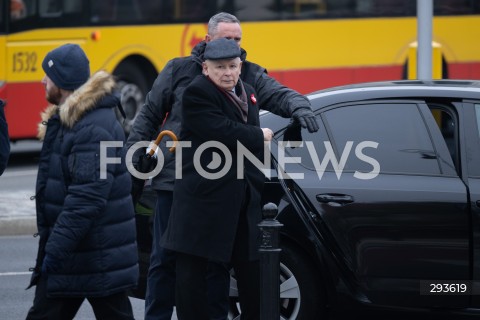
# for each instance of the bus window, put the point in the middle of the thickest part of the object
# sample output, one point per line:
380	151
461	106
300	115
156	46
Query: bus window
20	9
304	8
386	8
127	10
454	7
72	6
102	11
341	8
2	18
194	10
50	8
257	10
155	11
118	11
56	8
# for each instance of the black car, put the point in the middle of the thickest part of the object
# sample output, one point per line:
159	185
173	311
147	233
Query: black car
381	207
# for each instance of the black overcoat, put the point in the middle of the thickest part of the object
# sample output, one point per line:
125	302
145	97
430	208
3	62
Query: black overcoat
205	212
163	104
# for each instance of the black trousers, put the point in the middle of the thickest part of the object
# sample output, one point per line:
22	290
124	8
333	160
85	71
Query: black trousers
191	288
113	307
191	296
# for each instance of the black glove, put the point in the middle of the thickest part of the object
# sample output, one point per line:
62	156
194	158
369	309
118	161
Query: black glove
306	118
293	132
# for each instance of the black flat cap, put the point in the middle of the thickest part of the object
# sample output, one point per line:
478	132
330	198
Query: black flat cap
221	49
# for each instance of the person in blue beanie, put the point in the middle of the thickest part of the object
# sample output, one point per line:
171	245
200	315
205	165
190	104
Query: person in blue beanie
4	139
85	216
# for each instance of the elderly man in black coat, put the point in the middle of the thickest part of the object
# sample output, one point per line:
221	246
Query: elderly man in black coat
214	215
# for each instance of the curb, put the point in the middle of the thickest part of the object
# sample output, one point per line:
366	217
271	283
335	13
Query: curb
18	226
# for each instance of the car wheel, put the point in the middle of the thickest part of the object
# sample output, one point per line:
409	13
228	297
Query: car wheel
132	88
301	297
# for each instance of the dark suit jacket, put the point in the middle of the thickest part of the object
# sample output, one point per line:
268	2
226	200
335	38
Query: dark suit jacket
205	212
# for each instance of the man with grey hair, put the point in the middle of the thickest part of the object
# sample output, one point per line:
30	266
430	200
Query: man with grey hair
162	108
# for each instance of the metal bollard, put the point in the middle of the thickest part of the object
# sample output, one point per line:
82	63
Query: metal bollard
270	264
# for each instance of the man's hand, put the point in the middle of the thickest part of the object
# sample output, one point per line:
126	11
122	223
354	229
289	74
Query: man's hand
267	134
306	118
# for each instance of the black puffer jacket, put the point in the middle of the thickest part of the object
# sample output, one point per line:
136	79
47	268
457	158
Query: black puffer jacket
85	214
164	101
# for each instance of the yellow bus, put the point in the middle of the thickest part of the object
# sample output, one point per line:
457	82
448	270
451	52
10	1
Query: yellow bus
306	44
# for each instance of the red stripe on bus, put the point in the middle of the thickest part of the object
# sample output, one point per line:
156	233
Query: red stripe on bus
464	70
306	81
25	101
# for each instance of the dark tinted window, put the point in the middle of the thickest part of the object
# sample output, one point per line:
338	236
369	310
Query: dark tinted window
22	9
115	11
448	127
149	11
46	13
307	9
403	141
112	12
254	10
455	7
58	8
313	145
473	145
2	15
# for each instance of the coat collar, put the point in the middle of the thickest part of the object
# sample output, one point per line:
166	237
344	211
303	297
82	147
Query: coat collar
79	102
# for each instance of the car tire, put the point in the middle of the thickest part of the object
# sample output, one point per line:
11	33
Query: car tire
301	295
306	299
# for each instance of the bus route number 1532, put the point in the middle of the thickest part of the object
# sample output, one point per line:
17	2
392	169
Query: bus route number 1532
24	62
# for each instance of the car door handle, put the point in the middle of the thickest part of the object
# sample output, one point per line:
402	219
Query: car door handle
333	197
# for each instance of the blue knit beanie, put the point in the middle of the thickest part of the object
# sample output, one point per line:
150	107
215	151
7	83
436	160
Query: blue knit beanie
67	66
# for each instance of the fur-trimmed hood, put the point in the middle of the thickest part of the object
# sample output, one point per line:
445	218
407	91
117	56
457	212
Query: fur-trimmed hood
79	102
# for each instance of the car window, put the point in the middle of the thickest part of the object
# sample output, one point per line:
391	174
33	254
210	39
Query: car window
448	127
403	144
313	145
472	143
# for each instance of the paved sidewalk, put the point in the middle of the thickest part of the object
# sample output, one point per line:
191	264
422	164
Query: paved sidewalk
17	186
17	213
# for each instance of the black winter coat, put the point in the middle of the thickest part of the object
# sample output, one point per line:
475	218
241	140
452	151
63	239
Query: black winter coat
205	213
163	103
85	215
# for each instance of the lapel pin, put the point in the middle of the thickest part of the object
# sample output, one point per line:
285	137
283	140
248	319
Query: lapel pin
254	100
